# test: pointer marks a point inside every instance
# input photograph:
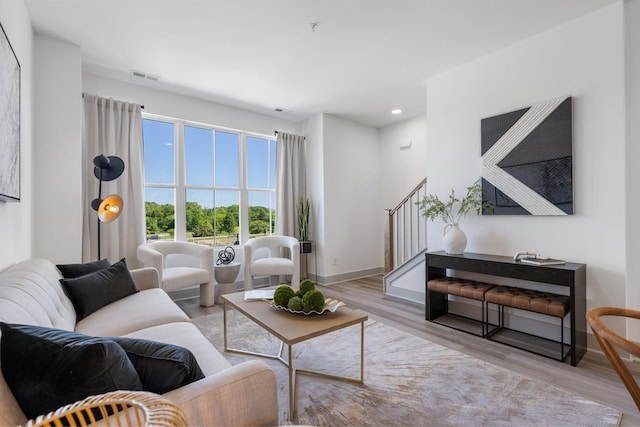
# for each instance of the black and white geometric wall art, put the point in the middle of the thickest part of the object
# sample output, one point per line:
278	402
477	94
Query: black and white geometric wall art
527	158
9	121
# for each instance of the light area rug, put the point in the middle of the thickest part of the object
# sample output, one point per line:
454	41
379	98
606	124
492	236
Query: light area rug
408	381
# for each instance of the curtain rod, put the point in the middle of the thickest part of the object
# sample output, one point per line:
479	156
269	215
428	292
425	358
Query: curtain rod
142	106
276	133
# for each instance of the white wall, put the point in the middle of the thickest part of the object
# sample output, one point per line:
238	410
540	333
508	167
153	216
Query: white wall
16	226
402	169
352	210
315	192
583	59
57	159
632	92
403	155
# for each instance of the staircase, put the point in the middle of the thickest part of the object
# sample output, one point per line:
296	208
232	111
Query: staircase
405	245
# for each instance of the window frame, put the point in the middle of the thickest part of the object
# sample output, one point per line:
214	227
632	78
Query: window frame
180	186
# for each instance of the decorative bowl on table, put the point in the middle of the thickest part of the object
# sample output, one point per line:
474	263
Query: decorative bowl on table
330	305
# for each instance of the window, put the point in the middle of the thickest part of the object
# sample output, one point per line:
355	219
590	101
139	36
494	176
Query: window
207	185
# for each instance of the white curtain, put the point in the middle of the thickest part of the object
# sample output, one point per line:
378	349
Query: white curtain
291	182
113	128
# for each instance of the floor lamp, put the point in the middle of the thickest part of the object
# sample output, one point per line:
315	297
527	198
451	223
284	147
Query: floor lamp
109	208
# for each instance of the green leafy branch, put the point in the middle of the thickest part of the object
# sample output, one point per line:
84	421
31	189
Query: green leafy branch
454	209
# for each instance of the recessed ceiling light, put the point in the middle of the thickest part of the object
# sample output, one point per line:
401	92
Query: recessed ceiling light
396	111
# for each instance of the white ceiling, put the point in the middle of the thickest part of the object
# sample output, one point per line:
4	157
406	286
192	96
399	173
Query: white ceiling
365	57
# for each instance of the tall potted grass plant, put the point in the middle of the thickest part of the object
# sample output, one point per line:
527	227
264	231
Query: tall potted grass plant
303	225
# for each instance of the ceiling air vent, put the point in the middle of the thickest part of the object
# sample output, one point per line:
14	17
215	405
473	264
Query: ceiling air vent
145	76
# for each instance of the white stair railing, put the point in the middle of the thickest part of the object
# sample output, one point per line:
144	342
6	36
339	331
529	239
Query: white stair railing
406	229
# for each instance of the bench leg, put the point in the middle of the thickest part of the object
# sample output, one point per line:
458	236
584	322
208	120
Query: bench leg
487	324
485	320
562	339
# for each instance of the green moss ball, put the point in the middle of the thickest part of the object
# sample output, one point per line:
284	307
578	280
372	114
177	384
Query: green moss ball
295	304
306	285
313	301
282	295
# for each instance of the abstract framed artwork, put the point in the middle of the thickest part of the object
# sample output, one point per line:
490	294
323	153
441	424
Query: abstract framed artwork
527	160
9	121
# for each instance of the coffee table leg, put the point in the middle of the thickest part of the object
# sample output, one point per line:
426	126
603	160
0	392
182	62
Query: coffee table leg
362	352
289	363
292	390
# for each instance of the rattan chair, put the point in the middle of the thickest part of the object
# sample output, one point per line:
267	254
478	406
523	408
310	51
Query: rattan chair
118	408
610	341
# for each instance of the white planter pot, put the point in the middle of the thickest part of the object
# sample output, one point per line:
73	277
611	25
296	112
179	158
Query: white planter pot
454	239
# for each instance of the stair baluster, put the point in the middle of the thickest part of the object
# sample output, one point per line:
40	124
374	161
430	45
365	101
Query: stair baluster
406	229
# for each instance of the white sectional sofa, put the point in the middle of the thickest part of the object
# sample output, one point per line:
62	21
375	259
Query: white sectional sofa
245	394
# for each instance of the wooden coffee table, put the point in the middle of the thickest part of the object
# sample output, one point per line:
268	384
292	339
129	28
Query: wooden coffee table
292	329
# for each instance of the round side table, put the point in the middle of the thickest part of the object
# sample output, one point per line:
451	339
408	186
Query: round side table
225	275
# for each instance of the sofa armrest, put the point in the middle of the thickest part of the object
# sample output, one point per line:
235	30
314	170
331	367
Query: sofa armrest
243	395
145	278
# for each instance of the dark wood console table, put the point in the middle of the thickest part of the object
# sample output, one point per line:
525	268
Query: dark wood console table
571	275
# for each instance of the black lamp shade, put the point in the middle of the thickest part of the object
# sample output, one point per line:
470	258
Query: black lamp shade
101	161
107	168
95	204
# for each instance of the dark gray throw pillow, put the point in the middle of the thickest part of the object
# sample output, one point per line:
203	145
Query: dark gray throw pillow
161	367
70	271
92	291
47	368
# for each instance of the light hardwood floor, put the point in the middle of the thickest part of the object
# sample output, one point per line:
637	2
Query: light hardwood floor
593	378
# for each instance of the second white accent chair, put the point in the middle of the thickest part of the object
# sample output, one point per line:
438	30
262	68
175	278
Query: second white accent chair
181	265
265	256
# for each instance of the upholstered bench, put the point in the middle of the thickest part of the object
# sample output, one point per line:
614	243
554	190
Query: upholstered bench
531	300
467	289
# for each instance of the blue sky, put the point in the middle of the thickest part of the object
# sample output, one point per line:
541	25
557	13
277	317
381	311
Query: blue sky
200	167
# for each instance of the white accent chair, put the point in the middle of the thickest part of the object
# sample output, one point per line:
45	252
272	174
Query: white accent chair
264	256
181	265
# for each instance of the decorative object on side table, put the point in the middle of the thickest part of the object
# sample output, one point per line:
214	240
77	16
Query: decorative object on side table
536	259
226	256
226	272
451	212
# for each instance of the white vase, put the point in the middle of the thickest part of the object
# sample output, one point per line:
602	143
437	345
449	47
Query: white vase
454	239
